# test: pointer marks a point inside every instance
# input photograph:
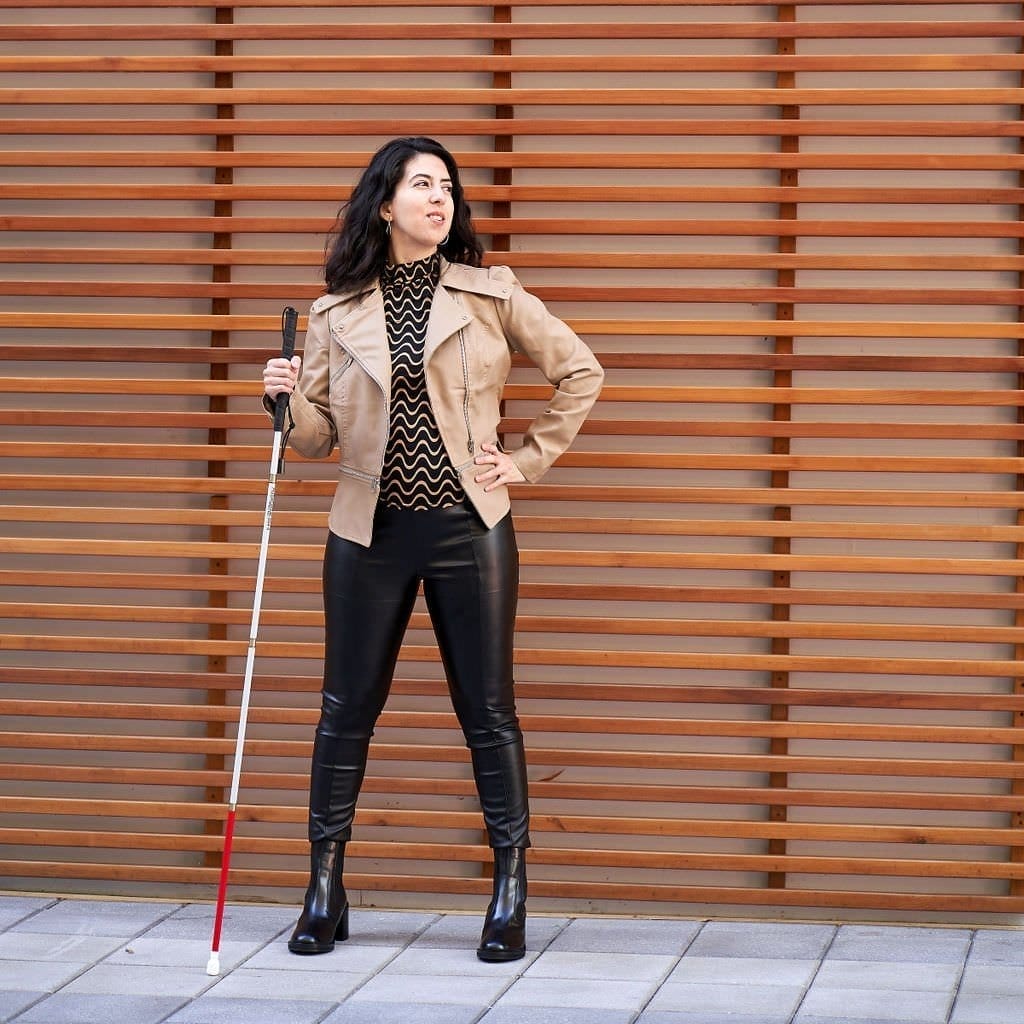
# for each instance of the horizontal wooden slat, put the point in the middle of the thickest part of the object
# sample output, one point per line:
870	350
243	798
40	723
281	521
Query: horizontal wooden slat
554	756
307	63
313	4
543	556
565	824
547	193
652	328
526	524
937	667
544	624
292	157
611	260
291	292
574	29
545	591
417	851
952	802
647	97
622	726
613	393
593	460
597	460
497	127
406	850
593	426
756	496
537	226
609	360
600	692
581	890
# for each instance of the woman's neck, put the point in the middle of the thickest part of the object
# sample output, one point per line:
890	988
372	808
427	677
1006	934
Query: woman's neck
396	256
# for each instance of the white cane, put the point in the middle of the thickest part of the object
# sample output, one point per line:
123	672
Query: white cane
289	320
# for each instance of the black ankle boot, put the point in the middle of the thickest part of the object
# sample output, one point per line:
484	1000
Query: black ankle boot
504	934
324	917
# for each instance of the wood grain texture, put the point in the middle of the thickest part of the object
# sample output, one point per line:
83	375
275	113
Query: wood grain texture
770	614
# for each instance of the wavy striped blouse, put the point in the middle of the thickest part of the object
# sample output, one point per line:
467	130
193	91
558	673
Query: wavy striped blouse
417	472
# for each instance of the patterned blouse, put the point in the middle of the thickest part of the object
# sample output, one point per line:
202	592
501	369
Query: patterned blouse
417	471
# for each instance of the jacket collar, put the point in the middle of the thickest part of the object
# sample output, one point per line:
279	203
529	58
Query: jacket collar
455	276
362	328
477	280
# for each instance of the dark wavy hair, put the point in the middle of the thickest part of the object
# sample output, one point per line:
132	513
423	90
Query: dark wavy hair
357	246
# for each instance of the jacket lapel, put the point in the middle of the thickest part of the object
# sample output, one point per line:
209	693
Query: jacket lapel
447	317
363	332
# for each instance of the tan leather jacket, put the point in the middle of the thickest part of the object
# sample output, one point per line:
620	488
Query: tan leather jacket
478	317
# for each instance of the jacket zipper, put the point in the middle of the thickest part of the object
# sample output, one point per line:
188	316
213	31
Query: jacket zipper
369	478
470	446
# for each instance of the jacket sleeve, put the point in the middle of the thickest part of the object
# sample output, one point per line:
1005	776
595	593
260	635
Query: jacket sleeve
557	351
314	433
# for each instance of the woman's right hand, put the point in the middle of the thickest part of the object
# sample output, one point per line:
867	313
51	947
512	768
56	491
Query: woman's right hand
280	376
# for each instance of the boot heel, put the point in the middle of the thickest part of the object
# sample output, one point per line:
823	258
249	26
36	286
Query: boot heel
341	932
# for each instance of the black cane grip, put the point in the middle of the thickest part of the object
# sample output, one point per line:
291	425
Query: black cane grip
289	321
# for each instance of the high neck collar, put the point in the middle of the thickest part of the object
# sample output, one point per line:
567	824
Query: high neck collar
398	275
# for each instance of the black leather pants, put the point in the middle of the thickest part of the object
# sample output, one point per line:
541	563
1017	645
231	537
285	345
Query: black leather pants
470	582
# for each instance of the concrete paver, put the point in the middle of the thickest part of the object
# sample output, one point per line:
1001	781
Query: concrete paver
505	1014
95	917
141	979
993	979
767	939
354	956
715	970
897	943
997	947
46	948
881	976
988	1009
92	1008
37	976
419	989
13	1002
320	986
366	1012
252	1011
95	961
602	966
439	961
14	908
462	931
615	935
893	1005
580	992
766	1004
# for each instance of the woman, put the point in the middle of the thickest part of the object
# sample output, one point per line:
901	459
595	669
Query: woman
403	367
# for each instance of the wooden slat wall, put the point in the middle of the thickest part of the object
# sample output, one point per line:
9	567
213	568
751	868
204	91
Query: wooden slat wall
772	610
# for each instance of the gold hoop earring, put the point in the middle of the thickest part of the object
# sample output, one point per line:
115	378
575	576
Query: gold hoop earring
444	241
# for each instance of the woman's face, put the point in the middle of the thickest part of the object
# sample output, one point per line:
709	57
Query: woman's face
421	210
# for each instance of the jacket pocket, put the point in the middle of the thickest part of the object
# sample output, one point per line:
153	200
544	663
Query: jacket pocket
341	364
357	474
339	369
